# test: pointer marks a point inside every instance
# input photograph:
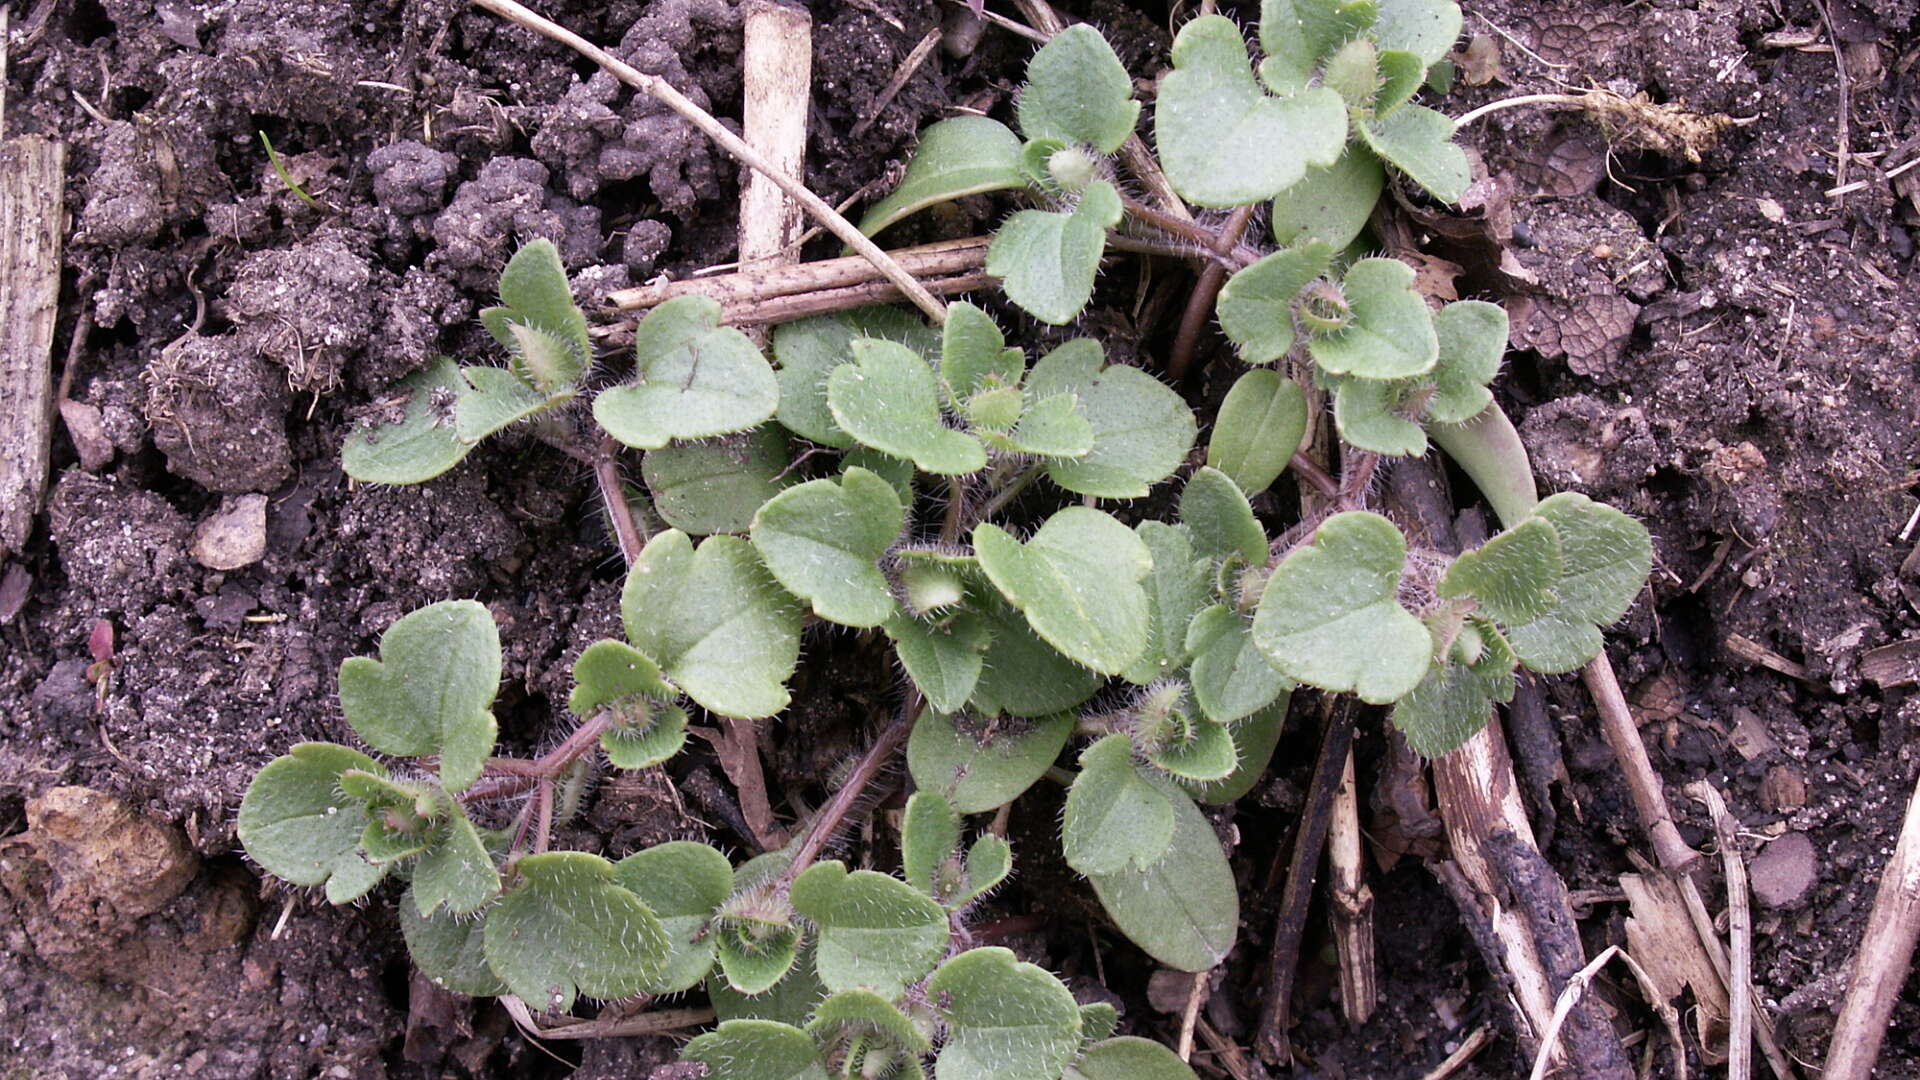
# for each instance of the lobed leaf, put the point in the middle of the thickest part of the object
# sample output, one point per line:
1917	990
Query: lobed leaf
1419	142
1391	333
1297	35
1178	586
1232	679
693	379
423	444
1512	575
569	929
534	294
1331	203
1455	699
863	1014
1077	580
1254	740
809	350
449	950
456	871
609	672
756	1050
1078	92
823	540
965	155
1605	559
889	399
1426	28
1370	414
1142	429
1115	819
643	746
944	658
1129	1058
490	399
974	354
876	932
1473	338
431	690
298	824
716	486
683	884
1047	260
1006	1019
791	1000
1256	304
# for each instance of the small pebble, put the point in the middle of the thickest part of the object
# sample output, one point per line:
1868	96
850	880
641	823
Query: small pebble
1784	871
235	536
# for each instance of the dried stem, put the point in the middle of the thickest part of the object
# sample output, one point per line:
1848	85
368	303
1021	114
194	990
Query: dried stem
827	821
1881	965
627	528
1352	903
1649	797
1739	933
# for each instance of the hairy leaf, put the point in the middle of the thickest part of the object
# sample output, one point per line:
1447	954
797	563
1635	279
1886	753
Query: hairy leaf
876	931
423	444
974	354
1221	520
1367	413
1142	429
716	486
456	871
977	773
1231	678
1254	740
889	399
1297	35
1115	819
1129	1058
609	672
1177	587
823	542
965	155
1078	92
299	826
1047	259
1473	338
1605	559
863	1014
1331	203
1185	909
646	744
1426	28
1419	142
1259	428
1021	674
431	690
693	379
1390	335
449	950
1455	699
809	350
534	294
791	1000
492	398
929	836
1256	304
1006	1019
756	1050
942	658
684	884
1077	580
1512	575
569	929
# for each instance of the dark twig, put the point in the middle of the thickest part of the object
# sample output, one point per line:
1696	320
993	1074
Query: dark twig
1200	301
613	491
1305	468
854	788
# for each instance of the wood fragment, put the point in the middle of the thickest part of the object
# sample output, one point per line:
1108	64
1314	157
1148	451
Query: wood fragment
1893	665
1739	932
1709	937
777	77
1351	903
1469	1047
1649	795
901	76
32	193
754	286
1880	967
1745	648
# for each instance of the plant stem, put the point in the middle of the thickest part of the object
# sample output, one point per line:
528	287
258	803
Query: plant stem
1309	470
827	821
627	528
1208	240
1007	494
1200	301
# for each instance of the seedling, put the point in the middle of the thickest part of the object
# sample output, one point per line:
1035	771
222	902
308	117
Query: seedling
790	489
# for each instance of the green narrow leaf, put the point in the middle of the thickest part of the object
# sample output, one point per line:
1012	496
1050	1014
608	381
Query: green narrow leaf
300	827
981	770
1006	1019
823	541
974	354
929	836
1254	740
1330	615
966	155
1130	1058
1231	677
1419	142
1078	92
534	293
431	690
943	659
693	379
1331	203
450	950
423	444
1224	141
491	399
756	1050
569	929
1047	260
716	486
1473	338
1114	819
1256	304
715	621
457	871
1077	580
1177	587
889	399
1259	428
684	884
1511	575
1185	909
1221	520
1142	429
876	931
1390	335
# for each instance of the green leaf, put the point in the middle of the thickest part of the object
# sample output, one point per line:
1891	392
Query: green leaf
1185	909
423	444
966	155
1052	427
980	770
715	622
1391	332
791	1000
808	350
716	486
1368	414
929	836
684	884
1419	142
1097	1021
974	354
1142	429
1605	559
1473	338
1115	818
494	398
1426	28
1259	428
756	1050
1221	520
1331	203
551	363
1231	677
611	672
859	1013
823	542
457	871
693	379
756	954
1253	742
1455	700
1177	587
299	826
383	844
1511	575
1191	747
889	399
534	294
989	861
1047	259
1078	92
876	931
1297	35
431	689
942	658
642	746
1021	674
1129	1058
1006	1020
1077	580
891	469
450	950
1353	71
569	929
1330	615
1224	141
1256	304
1401	74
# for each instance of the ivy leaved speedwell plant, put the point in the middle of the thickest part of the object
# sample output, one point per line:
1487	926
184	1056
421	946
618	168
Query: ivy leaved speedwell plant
862	476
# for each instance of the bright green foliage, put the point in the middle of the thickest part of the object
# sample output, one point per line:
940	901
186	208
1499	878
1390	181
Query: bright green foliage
1223	140
1400	75
859	1013
299	826
1258	429
1330	616
810	349
1511	575
973	354
456	870
646	740
943	658
1184	910
989	860
1021	674
755	953
1115	818
1473	338
684	885
1455	699
1256	304
569	928
1078	92
823	541
876	931
929	836
977	774
1390	335
1142	429
1369	413
1254	740
966	155
693	379
1180	741
423	444
716	486
1605	559
1426	28
1006	1020
1419	142
1077	581
1213	508
715	622
756	1050
431	690
1177	587
1047	259
1231	678
492	399
889	399
1052	427
534	296
1331	204
450	950
1129	1058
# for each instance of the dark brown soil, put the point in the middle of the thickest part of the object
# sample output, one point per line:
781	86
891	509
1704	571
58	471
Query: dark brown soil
1715	345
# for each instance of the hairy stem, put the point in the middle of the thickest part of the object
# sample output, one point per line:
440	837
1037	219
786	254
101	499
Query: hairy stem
1200	301
827	821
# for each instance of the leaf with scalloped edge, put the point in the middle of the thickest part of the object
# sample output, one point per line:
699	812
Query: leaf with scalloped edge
534	294
1419	142
568	928
1297	35
684	884
298	824
1078	92
1512	575
756	1050
661	735
1221	521
1115	818
1047	260
1077	580
973	354
424	444
1368	414
1178	586
862	1014
1390	333
876	931
450	950
1259	428
929	836
432	689
1426	28
715	486
977	771
942	658
1231	678
1021	674
1256	304
1006	1019
823	541
1191	748
1142	429
693	379
808	351
1223	140
964	155
1473	338
609	672
1455	699
1331	617
1051	427
889	399
1605	558
456	870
